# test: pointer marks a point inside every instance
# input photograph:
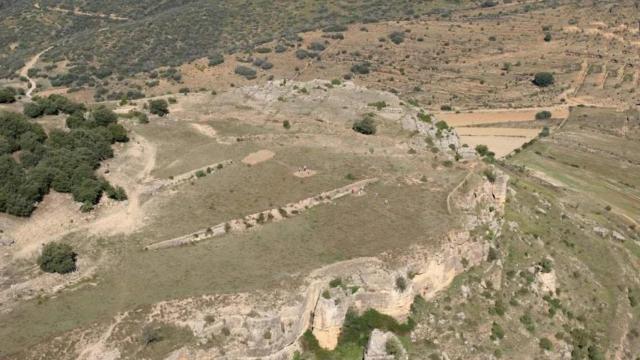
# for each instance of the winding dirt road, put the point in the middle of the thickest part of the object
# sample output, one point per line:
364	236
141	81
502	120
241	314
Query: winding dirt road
24	72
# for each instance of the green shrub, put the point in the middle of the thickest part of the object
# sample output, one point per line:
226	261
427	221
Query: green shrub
361	68
7	95
424	117
543	79
57	258
379	105
302	54
490	175
545	344
316	46
527	321
357	328
545	132
401	283
116	193
547	37
263	50
286	124
216	59
366	126
159	107
442	125
543	115
335	28
33	110
337	282
103	116
497	332
397	37
393	347
245	71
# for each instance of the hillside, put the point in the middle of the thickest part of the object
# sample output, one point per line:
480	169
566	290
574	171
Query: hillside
319	180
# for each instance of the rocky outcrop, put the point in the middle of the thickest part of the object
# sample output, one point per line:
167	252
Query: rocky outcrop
384	346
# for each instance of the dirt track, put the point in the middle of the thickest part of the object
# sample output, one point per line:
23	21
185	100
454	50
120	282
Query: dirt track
24	72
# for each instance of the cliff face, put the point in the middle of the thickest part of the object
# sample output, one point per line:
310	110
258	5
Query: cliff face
268	325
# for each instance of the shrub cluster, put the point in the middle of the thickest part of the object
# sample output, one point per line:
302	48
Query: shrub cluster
7	95
64	160
51	105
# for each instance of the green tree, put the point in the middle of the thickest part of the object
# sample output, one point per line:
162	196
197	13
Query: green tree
33	110
543	79
103	116
57	258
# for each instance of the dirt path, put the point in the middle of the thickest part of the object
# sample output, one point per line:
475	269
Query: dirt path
119	220
98	350
24	72
76	11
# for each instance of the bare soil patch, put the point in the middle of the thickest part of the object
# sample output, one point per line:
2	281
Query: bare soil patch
258	157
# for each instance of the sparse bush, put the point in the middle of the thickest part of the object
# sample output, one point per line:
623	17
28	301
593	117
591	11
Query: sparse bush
393	347
527	321
334	283
397	37
216	59
316	46
497	332
150	335
361	68
286	124
424	117
57	258
493	253
547	37
366	126
401	283
545	132
302	54
379	105
545	344
547	265
490	175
